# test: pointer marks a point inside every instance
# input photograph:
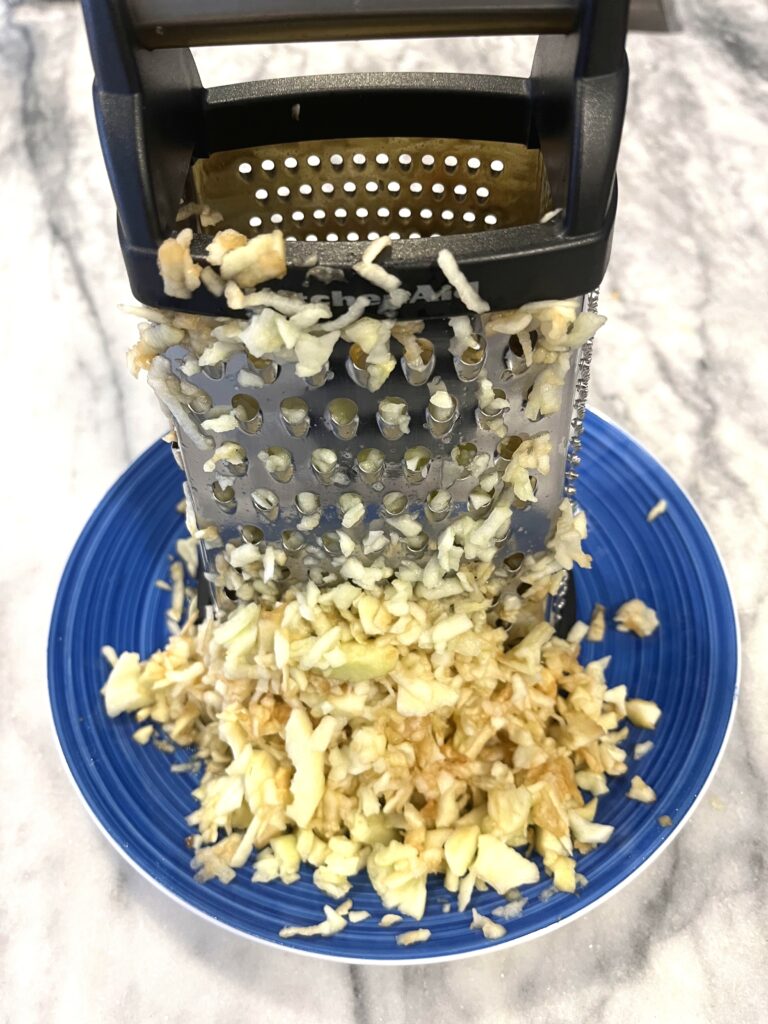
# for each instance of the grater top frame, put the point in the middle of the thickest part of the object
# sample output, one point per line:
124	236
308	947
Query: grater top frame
156	121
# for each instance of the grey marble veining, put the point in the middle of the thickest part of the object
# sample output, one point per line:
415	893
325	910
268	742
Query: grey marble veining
682	365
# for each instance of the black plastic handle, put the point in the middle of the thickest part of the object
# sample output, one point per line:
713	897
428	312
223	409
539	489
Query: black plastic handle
159	24
155	118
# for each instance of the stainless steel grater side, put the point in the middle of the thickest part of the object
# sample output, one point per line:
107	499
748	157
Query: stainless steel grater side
516	177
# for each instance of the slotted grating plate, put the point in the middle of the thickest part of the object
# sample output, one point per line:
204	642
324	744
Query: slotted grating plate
249	502
361	188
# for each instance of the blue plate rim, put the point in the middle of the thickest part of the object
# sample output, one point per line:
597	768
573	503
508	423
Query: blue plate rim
504	944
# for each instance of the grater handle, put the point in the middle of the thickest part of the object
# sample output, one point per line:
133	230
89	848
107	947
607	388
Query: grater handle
159	24
155	118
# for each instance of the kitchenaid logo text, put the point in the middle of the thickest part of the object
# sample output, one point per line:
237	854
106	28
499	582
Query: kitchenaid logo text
424	293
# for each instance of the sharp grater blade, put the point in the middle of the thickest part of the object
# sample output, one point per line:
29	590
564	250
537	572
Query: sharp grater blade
324	464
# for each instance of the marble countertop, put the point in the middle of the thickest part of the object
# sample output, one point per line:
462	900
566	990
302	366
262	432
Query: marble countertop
681	365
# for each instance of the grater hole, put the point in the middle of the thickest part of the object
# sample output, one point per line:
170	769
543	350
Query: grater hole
428	160
416	463
439	505
497	166
370	465
278	463
336	161
393	187
245	169
357	366
332	236
297	216
513	562
447	215
331	545
507	447
441	414
255	222
353	236
394	503
460	191
327	188
224	496
214	371
468	217
305	190
318	379
351	509
519	503
266	502
292	541
471	361
265	369
489	418
450	163
419	362
371	186
324	462
490	219
342	418
237	465
417	544
359	160
251	534
361	212
425	214
372	236
473	165
479	502
340	213
247	413
515	346
283	191
540	415
349	187
307	502
290	163
311	238
416	187
268	166
463	455
405	160
276	218
482	193
438	188
313	160
392	417
382	159
382	212
295	416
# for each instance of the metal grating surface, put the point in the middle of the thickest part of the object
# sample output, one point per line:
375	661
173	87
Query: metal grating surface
257	502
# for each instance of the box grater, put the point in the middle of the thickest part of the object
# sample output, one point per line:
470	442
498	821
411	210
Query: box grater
515	176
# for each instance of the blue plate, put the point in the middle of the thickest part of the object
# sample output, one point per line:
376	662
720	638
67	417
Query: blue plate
689	666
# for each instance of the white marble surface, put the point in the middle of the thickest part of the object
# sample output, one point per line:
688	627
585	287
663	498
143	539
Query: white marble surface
682	365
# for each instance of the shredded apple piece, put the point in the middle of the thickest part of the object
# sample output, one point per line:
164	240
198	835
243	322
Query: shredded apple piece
378	730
